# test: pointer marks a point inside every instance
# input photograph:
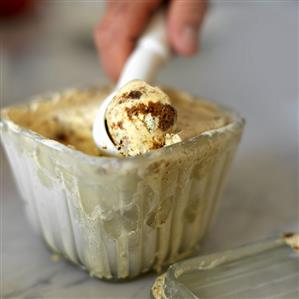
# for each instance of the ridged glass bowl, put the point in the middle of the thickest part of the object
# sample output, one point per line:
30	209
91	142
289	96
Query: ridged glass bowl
120	217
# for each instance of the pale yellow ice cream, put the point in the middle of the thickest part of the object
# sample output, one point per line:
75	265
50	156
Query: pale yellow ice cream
68	116
141	118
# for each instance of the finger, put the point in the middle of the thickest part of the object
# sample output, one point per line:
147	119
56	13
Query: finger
183	24
116	35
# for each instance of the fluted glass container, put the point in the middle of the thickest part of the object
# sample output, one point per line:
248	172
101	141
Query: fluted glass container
120	217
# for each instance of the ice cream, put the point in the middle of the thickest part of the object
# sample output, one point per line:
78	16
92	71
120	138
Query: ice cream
68	117
141	118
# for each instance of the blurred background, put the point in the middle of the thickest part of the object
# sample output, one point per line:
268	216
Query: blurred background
248	60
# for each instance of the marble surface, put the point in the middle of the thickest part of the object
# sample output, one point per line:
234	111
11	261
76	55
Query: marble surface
248	59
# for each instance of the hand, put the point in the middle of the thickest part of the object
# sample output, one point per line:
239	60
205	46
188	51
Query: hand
125	20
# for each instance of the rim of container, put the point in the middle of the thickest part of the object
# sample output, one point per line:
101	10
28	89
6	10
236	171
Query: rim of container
237	123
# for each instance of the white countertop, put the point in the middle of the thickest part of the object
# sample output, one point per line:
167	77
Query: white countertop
248	60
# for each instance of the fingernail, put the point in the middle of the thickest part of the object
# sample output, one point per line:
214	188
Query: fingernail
190	37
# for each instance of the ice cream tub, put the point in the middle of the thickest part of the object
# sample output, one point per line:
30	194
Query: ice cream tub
115	217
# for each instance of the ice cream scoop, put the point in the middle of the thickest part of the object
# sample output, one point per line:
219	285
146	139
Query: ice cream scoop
151	51
141	118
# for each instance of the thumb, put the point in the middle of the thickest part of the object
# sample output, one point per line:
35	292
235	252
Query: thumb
183	24
116	34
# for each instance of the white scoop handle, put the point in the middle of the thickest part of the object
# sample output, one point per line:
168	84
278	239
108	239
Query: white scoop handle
151	51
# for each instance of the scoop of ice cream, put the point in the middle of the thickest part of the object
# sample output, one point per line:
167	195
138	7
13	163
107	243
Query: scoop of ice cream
141	118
